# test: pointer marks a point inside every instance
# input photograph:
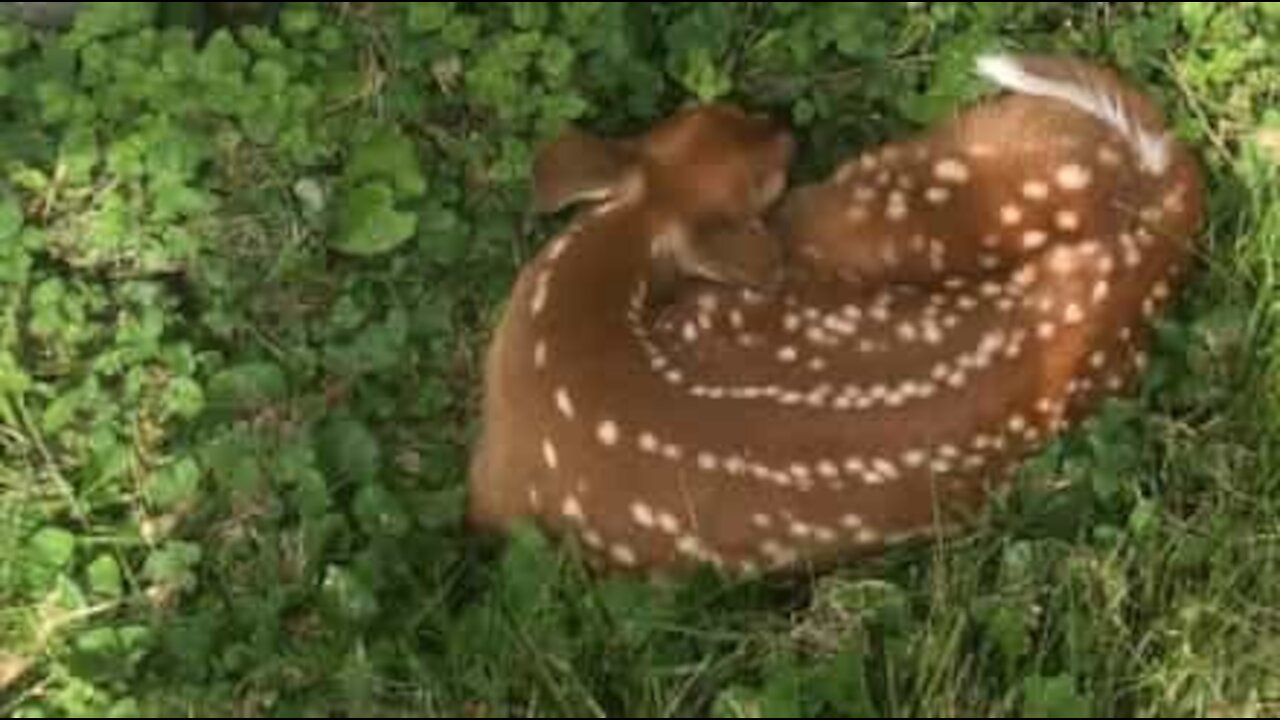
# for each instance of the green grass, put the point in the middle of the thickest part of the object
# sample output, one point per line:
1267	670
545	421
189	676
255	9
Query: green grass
245	282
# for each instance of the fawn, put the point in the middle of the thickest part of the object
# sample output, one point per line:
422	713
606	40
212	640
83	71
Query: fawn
678	383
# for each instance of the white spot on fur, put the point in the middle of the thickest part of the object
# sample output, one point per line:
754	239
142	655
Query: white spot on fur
778	554
564	403
800	531
550	456
915	459
540	292
1074	177
735	465
690	547
938	195
690	333
648	443
898	210
608	433
1073	315
1067	220
643	515
668	524
886	469
707	462
1034	239
952	171
1035	190
623	556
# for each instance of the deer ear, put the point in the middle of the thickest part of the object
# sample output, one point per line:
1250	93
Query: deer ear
580	167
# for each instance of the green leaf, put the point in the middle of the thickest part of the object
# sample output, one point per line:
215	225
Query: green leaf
380	513
97	21
952	84
1054	698
448	233
104	641
388	155
526	561
301	18
1145	520
14	380
430	16
184	399
1009	629
349	452
311	496
53	548
443	510
461	32
236	462
381	347
705	77
12	39
1196	16
11	219
105	577
843	684
247	388
737	702
349	595
781	697
79	155
529	15
174	564
174	486
370	224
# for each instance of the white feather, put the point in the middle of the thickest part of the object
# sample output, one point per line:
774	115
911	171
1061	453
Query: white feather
1152	148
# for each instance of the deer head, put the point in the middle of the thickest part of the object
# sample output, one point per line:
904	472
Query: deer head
864	401
697	184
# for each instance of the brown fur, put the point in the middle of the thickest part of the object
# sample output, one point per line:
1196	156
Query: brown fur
668	391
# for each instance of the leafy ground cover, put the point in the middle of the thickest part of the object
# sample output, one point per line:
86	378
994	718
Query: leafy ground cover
245	278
